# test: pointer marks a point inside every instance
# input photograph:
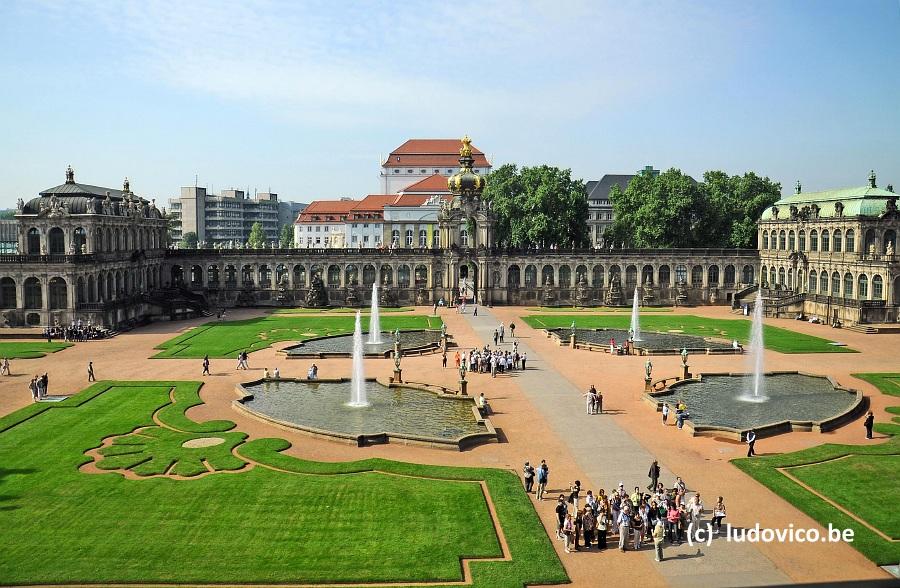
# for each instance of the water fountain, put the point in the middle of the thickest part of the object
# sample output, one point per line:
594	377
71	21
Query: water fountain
374	321
635	319
358	378
755	390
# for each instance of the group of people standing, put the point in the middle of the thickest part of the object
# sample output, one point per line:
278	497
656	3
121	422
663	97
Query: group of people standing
657	515
39	386
77	331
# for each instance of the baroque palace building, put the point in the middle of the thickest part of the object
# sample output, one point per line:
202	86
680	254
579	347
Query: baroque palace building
97	254
833	254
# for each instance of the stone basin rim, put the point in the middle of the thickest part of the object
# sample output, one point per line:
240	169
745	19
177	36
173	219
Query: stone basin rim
460	443
855	409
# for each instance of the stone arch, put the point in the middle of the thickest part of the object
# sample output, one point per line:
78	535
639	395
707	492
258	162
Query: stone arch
79	240
647	274
299	275
33	241
247	275
177	274
420	276
56	241
368	275
712	275
697	275
8	295
565	276
665	276
196	275
890	236
351	275
33	293
531	276
403	276
513	276
230	274
281	273
782	277
386	275
212	275
547	275
58	293
91	289
630	278
265	276
597	276
746	274
835	284
581	270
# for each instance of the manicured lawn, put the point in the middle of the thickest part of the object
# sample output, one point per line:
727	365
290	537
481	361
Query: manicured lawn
226	338
776	339
243	520
569	309
863	479
365	310
29	349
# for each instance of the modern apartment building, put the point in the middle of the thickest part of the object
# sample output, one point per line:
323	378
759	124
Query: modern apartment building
226	218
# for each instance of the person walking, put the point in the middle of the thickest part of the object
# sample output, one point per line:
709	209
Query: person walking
869	423
659	533
653	475
695	509
205	365
599	404
456	360
512	330
718	515
276	374
528	473
444	359
751	442
524	359
33	387
240	359
4	367
543	474
501	332
90	372
665	413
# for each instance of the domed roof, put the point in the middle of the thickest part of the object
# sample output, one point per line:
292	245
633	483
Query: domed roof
466	182
79	198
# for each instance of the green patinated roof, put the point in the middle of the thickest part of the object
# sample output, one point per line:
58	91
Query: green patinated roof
858	201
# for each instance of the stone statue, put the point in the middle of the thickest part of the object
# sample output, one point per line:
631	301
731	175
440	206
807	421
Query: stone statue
20	205
889	250
871	248
462	372
648	368
397	355
572	327
397	337
443	330
317	296
684	356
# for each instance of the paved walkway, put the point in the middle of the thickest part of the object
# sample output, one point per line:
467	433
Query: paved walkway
608	455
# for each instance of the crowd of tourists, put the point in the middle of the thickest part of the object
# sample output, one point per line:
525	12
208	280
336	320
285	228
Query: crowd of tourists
488	360
39	386
656	515
75	332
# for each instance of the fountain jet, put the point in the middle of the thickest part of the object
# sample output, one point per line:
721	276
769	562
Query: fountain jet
635	319
358	376
374	321
756	385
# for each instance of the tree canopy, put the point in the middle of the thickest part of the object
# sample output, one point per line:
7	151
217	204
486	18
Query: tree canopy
188	240
538	206
257	239
287	236
672	210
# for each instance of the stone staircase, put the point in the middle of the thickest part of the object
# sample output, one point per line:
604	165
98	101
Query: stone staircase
864	329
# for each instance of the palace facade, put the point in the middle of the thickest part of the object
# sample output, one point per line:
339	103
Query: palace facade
833	254
96	254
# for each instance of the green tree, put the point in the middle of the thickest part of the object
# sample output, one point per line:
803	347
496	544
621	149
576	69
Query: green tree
658	211
8	214
188	240
287	236
671	210
539	205
257	239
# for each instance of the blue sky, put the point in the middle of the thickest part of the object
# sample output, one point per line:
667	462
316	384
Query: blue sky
306	97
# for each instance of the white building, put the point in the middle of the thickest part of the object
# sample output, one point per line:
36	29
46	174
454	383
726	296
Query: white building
322	224
418	159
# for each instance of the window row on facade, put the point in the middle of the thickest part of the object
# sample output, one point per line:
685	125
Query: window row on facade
833	241
299	276
861	286
107	239
598	276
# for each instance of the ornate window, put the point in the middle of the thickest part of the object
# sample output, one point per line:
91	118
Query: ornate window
782	279
836	241
56	241
597	276
547	276
7	293
850	241
813	240
680	274
423	238
665	278
729	274
58	293
530	276
409	237
812	280
791	241
848	285
463	238
876	287
631	276
835	284
403	276
746	274
513	277
765	240
712	275
801	240
33	241
862	287
697	275
824	240
823	283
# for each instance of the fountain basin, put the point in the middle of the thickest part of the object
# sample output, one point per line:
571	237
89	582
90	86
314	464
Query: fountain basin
413	342
396	413
796	401
651	343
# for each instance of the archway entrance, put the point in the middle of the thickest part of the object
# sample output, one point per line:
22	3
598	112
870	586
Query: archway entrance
467	287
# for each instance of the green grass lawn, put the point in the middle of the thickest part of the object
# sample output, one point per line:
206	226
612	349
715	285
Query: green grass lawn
863	479
226	338
776	338
259	517
570	309
29	349
341	310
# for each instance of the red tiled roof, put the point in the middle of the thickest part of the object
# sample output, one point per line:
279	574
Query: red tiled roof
410	200
326	210
433	184
430	153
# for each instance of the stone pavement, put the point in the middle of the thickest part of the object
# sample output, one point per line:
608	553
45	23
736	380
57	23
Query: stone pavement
608	455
